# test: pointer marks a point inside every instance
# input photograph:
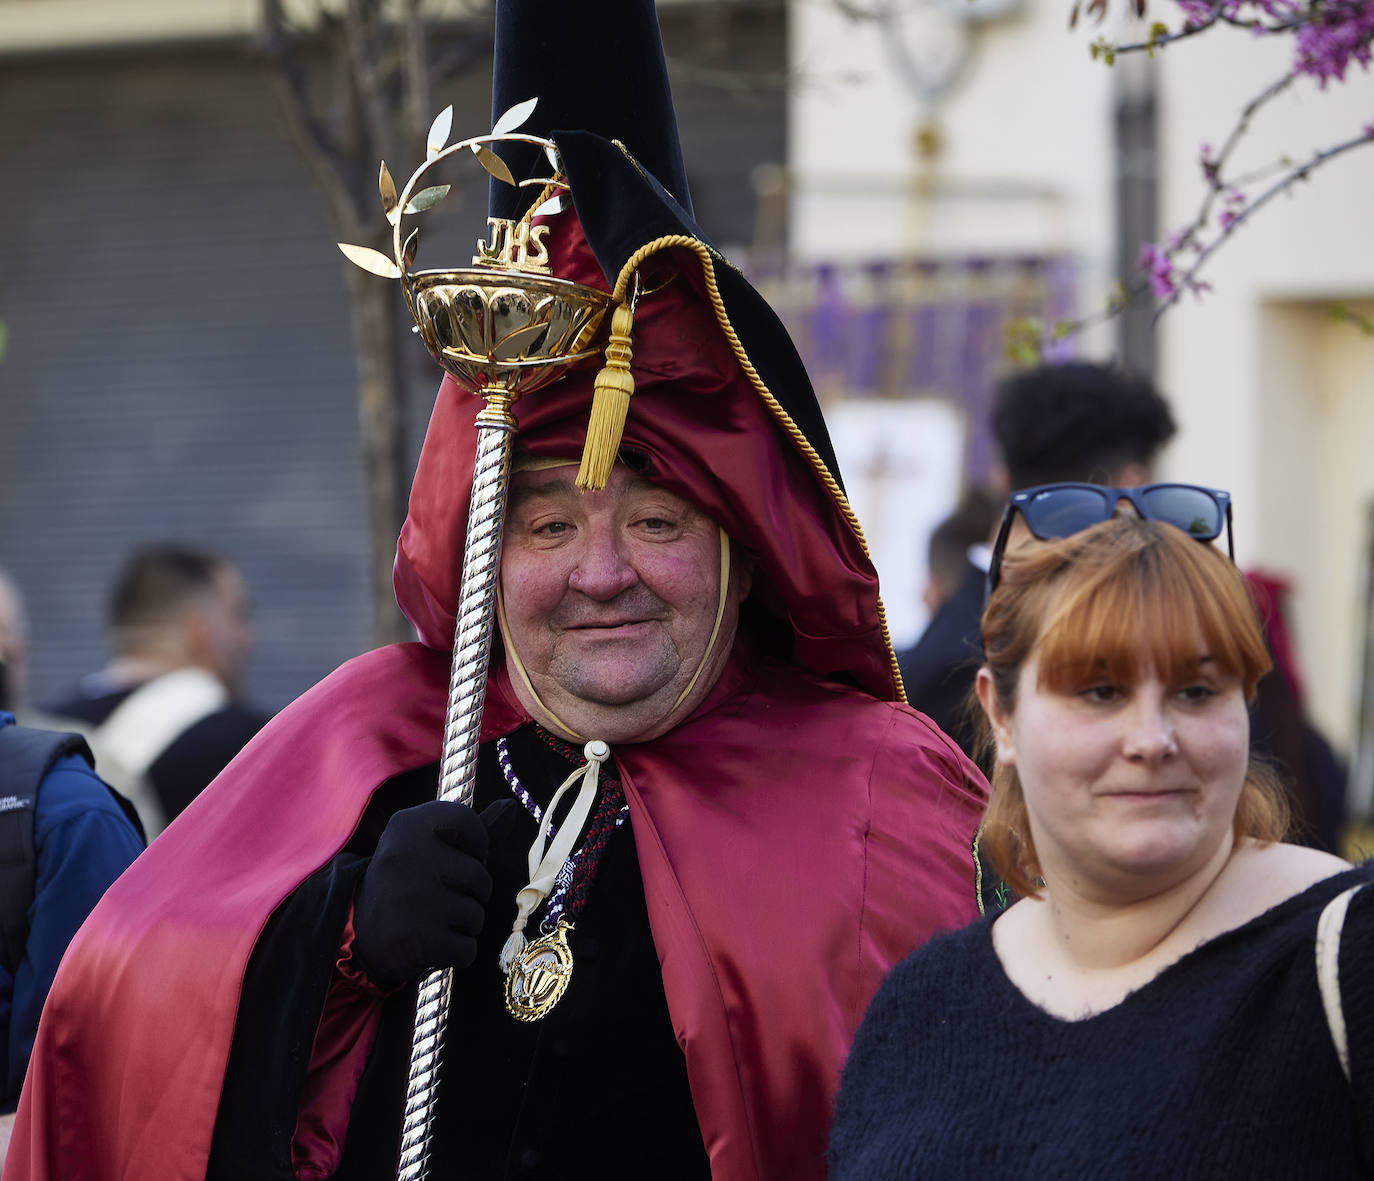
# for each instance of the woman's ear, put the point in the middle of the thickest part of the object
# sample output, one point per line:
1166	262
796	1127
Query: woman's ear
998	718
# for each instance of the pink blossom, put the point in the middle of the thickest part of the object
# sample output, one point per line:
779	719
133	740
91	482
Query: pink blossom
1163	280
1196	12
1207	158
1327	34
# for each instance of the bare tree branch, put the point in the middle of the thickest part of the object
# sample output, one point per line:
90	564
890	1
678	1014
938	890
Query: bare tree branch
1215	182
316	148
380	72
415	71
367	76
1291	177
1345	32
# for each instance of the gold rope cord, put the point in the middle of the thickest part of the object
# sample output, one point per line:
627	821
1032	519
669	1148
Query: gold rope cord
708	257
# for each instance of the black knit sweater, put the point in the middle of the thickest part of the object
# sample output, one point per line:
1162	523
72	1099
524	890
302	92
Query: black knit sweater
1221	1066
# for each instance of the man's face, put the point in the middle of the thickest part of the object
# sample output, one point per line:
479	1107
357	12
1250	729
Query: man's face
611	600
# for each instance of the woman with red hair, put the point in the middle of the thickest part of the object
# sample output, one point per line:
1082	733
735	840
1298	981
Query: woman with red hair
1152	1006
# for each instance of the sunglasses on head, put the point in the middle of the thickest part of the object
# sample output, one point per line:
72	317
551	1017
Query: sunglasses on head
1061	510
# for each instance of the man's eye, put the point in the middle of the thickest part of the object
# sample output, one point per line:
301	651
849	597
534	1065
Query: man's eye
551	528
654	526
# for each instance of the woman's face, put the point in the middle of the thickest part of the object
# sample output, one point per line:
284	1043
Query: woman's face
1131	787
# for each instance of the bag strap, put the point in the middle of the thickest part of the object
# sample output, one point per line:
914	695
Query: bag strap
26	756
158	712
1329	972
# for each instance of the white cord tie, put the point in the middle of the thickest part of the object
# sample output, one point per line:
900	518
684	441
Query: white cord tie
547	859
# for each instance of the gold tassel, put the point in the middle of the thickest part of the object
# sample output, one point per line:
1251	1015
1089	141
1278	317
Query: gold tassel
610	404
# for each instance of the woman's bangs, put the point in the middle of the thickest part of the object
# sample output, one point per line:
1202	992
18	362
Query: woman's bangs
1153	611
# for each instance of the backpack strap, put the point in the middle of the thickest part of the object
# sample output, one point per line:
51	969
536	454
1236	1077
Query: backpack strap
156	714
141	728
26	756
1328	951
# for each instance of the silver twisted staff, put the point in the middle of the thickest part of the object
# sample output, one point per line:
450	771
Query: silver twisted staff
555	324
501	328
462	725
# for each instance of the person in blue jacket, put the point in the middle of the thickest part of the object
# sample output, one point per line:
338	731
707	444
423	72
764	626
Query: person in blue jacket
81	839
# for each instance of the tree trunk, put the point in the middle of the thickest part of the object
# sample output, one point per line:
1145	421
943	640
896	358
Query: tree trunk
380	420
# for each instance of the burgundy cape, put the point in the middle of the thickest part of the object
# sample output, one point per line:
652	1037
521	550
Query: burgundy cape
798	835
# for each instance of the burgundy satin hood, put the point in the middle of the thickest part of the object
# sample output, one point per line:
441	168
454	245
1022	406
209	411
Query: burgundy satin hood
708	432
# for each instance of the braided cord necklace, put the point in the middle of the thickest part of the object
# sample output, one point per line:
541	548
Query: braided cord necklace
537	973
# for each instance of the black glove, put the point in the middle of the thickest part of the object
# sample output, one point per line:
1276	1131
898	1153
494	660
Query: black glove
423	896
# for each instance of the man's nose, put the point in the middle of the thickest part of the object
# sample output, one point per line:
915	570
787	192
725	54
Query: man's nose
1149	733
603	567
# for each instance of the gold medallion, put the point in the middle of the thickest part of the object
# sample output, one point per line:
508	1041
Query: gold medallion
539	975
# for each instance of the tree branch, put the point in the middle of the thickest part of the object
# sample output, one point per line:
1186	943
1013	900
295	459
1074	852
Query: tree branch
315	146
1158	38
1215	183
1295	174
415	72
367	79
1217	16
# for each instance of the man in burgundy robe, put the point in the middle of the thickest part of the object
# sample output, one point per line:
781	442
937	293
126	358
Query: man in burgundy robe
771	829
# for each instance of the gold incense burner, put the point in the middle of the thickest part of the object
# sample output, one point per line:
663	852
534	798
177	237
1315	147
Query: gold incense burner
503	325
491	332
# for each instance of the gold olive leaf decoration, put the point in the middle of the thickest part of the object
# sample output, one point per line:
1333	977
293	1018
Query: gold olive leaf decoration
439	132
492	163
371	260
377	263
510	121
387	187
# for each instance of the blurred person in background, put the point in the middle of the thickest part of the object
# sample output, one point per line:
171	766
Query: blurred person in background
1282	730
938	670
64	837
947	554
1071	421
1079	421
164	716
